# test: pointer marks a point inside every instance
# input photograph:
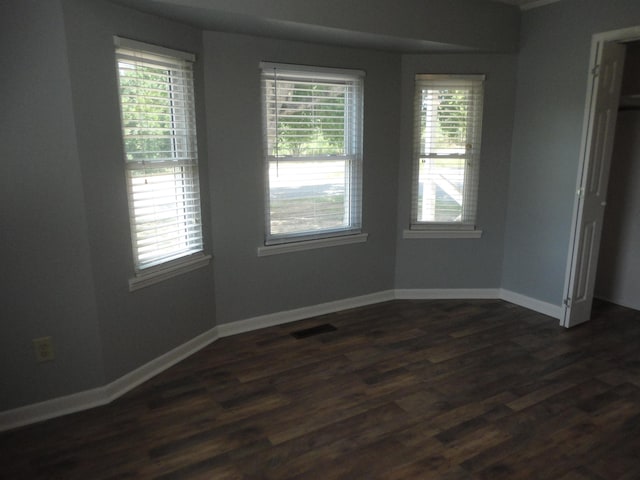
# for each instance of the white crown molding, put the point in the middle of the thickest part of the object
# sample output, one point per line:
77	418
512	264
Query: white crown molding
87	399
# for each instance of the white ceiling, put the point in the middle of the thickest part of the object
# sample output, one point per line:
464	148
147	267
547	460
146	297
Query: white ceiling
217	15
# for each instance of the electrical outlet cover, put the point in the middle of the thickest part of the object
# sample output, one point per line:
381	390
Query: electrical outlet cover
44	349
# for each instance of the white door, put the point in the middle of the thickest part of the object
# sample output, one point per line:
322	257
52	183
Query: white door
607	80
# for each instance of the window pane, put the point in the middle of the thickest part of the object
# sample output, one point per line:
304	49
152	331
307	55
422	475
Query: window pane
313	144
158	128
445	114
306	118
448	118
441	183
307	196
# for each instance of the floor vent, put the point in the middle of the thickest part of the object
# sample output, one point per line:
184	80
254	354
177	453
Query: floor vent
317	330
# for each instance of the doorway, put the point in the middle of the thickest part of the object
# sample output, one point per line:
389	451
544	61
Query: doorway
618	274
601	111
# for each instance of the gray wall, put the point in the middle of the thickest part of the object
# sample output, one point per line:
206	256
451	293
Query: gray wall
460	263
135	327
248	285
66	186
65	234
46	276
552	78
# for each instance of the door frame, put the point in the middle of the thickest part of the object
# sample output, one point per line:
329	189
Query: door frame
597	41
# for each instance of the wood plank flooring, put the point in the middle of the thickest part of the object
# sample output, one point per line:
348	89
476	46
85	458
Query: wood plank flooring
477	389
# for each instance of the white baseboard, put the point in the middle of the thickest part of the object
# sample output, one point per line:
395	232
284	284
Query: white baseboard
279	318
56	407
76	402
446	293
96	397
622	302
158	365
539	306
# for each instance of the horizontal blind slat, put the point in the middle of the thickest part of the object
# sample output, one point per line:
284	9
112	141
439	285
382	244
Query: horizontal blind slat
447	119
158	125
312	137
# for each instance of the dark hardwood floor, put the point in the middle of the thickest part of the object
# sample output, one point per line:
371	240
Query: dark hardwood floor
477	389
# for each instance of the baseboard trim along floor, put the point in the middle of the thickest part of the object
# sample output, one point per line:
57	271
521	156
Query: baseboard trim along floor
87	399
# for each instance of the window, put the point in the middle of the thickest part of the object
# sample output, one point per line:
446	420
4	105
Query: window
313	152
161	161
448	124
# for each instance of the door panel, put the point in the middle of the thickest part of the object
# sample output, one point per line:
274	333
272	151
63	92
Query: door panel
593	191
603	122
585	255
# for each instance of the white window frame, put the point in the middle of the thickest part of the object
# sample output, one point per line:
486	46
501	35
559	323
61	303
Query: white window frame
351	232
466	226
164	208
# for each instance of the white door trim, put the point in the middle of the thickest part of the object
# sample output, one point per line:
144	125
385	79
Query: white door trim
597	42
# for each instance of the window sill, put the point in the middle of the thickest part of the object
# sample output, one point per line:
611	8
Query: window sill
162	273
417	234
311	244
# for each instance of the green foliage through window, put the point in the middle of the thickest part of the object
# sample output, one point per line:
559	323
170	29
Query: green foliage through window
158	129
307	118
312	126
452	114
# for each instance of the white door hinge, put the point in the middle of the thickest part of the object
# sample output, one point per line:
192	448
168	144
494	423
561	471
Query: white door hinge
595	71
567	302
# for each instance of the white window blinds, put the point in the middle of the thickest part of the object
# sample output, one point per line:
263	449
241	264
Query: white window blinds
448	125
313	151
161	161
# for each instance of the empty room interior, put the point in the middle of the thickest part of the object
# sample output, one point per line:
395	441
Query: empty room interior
320	239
